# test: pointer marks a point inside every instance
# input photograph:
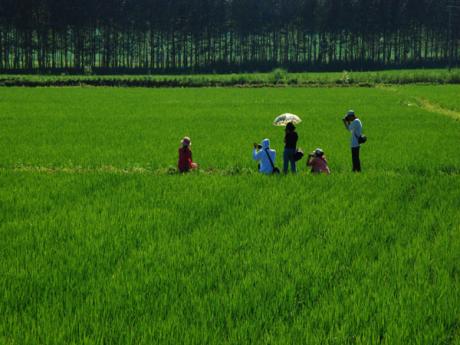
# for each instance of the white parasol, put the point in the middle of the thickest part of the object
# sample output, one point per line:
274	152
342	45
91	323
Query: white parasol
284	119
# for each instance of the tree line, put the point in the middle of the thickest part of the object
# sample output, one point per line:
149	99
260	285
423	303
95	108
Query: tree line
108	36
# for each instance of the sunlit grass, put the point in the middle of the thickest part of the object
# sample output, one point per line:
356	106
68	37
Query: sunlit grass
102	244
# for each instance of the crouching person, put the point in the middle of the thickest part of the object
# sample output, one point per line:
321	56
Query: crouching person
266	158
318	162
185	163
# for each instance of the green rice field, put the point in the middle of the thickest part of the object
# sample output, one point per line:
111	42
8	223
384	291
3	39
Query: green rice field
102	242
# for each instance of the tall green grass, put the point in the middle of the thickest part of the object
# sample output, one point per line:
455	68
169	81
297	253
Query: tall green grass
104	258
100	245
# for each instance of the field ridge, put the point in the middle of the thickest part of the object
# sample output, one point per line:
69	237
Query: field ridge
110	169
437	108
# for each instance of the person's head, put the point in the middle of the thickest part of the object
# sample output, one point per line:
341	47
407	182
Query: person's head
350	116
265	144
290	127
186	142
318	153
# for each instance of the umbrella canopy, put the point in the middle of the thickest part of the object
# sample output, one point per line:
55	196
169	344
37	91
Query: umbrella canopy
284	119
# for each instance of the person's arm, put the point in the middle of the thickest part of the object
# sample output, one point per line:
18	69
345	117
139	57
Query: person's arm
256	154
358	130
327	170
188	159
345	122
352	127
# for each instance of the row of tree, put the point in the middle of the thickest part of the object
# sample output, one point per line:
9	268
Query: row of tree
205	35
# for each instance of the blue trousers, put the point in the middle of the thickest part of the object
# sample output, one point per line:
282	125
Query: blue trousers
288	157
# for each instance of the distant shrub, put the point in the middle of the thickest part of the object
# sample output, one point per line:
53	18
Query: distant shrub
346	77
88	70
279	75
453	78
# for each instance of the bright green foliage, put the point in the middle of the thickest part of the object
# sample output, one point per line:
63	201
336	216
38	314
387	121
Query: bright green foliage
105	246
279	77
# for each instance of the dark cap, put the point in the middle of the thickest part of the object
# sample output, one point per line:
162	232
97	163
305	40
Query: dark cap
350	113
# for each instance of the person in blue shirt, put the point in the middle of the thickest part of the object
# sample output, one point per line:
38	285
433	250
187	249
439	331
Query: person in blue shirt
261	154
353	124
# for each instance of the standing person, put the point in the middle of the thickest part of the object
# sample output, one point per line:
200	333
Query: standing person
290	147
266	157
353	124
185	163
318	162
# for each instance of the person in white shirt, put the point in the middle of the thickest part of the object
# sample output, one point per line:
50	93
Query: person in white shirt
261	153
353	124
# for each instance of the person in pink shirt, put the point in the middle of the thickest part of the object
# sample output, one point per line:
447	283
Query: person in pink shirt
185	163
318	163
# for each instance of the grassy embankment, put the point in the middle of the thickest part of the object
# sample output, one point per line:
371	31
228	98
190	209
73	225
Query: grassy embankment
276	78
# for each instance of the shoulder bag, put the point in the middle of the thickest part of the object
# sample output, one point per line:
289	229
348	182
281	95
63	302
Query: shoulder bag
275	169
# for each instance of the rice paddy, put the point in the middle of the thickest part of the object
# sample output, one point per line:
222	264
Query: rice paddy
103	243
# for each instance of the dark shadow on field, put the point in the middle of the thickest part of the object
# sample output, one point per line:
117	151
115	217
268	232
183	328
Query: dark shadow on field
450	170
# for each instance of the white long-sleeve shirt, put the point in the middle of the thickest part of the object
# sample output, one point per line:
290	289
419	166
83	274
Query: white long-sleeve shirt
261	156
356	129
